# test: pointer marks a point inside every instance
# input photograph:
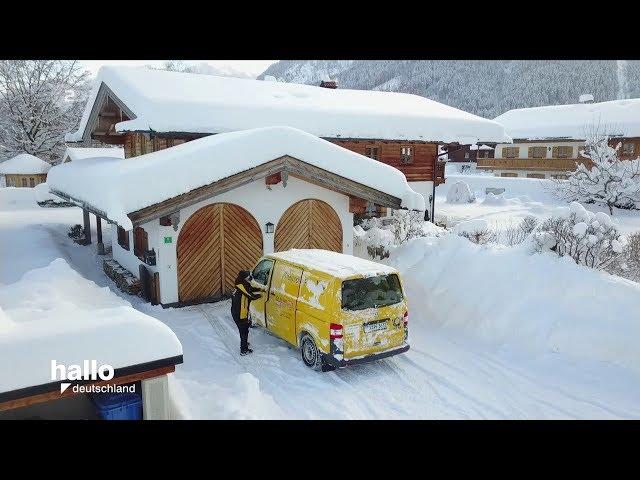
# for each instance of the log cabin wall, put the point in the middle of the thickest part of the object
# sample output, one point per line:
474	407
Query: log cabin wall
137	143
422	165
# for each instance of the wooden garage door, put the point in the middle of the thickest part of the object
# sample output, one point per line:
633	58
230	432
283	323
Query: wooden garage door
309	224
216	243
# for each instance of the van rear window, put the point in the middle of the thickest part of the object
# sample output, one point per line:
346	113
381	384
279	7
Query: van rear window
371	292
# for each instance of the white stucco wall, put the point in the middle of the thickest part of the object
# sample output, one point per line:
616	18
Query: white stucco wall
426	190
265	206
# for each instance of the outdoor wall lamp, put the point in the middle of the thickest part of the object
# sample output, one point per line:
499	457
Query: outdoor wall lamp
268	228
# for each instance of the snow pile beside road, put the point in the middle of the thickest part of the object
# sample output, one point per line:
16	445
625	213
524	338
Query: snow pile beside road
53	313
460	193
509	296
535	189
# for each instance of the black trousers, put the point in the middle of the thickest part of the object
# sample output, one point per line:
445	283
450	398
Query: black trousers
243	330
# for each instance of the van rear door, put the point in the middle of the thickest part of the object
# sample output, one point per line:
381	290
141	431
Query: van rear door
372	315
283	297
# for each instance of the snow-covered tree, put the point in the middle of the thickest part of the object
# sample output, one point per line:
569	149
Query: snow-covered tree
611	181
40	101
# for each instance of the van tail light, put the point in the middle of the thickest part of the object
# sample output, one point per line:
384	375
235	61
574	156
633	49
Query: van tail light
335	331
406	319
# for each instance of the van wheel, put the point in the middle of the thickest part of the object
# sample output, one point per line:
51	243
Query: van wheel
310	354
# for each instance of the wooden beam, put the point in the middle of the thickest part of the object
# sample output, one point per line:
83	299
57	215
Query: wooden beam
87	226
286	163
99	228
56	395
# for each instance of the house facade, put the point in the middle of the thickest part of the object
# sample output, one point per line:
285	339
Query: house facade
547	141
149	110
221	202
24	170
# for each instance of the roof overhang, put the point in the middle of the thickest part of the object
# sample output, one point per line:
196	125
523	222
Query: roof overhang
288	164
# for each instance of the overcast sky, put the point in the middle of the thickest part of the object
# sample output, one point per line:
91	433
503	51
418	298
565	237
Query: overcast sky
249	68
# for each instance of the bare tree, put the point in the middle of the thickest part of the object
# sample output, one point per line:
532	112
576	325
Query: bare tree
611	181
40	100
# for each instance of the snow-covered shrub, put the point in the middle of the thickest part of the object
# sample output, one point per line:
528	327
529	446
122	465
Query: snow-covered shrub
460	193
406	225
376	241
476	231
628	263
76	232
517	234
590	239
45	199
611	181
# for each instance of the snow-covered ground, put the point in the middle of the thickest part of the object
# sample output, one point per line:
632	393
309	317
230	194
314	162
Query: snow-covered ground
522	197
471	357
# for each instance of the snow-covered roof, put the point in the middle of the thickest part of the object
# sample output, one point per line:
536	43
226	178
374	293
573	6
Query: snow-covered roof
620	117
481	147
118	187
53	313
335	264
24	164
73	154
184	102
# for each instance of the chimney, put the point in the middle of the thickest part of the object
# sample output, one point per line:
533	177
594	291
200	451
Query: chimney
328	83
586	98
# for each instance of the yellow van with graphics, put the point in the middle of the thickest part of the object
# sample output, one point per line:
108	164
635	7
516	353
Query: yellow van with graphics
338	309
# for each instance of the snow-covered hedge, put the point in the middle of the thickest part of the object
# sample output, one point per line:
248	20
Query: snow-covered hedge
590	239
45	199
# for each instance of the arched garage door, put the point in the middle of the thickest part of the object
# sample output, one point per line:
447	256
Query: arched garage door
216	243
309	224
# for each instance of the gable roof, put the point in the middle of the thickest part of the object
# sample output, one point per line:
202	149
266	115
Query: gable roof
116	187
162	101
77	153
25	164
620	117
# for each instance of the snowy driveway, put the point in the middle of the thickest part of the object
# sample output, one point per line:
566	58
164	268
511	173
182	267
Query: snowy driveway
443	376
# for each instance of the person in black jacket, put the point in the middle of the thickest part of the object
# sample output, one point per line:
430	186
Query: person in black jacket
242	296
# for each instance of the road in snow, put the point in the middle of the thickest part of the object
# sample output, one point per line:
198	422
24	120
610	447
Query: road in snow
444	375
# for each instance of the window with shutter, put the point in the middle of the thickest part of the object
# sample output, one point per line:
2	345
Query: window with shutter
537	152
372	152
510	152
140	242
123	238
24	182
406	155
562	152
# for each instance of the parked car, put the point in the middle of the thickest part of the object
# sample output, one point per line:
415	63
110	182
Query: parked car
338	309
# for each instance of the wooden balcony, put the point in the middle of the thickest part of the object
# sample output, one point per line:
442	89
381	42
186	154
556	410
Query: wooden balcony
533	164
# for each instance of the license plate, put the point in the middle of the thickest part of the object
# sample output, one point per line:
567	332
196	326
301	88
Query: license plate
375	326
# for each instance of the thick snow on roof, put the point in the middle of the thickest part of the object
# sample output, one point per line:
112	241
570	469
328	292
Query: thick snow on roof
620	117
24	163
76	153
481	147
53	313
183	102
335	264
118	187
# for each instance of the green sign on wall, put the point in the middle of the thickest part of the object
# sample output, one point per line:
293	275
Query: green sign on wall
168	239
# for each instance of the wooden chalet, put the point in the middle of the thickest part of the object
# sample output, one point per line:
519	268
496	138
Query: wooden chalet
24	170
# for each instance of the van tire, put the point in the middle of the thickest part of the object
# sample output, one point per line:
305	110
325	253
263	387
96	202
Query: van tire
311	355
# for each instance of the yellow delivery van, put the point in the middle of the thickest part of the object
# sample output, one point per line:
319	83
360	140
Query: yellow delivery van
337	309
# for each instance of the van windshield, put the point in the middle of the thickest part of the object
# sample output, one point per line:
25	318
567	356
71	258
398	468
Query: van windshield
371	292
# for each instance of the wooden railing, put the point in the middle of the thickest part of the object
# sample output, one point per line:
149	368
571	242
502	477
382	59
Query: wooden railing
559	164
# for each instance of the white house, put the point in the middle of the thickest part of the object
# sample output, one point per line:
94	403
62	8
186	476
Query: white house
197	213
547	140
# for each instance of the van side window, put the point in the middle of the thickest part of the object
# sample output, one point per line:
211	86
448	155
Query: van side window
261	273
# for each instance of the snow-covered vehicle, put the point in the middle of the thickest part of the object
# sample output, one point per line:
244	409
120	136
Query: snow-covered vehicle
338	309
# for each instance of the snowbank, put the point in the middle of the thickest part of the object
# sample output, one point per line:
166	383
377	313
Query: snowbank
621	117
460	193
535	189
53	313
24	164
113	185
184	102
509	296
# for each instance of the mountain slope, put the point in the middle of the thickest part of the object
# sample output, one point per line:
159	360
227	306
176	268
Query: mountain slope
484	87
